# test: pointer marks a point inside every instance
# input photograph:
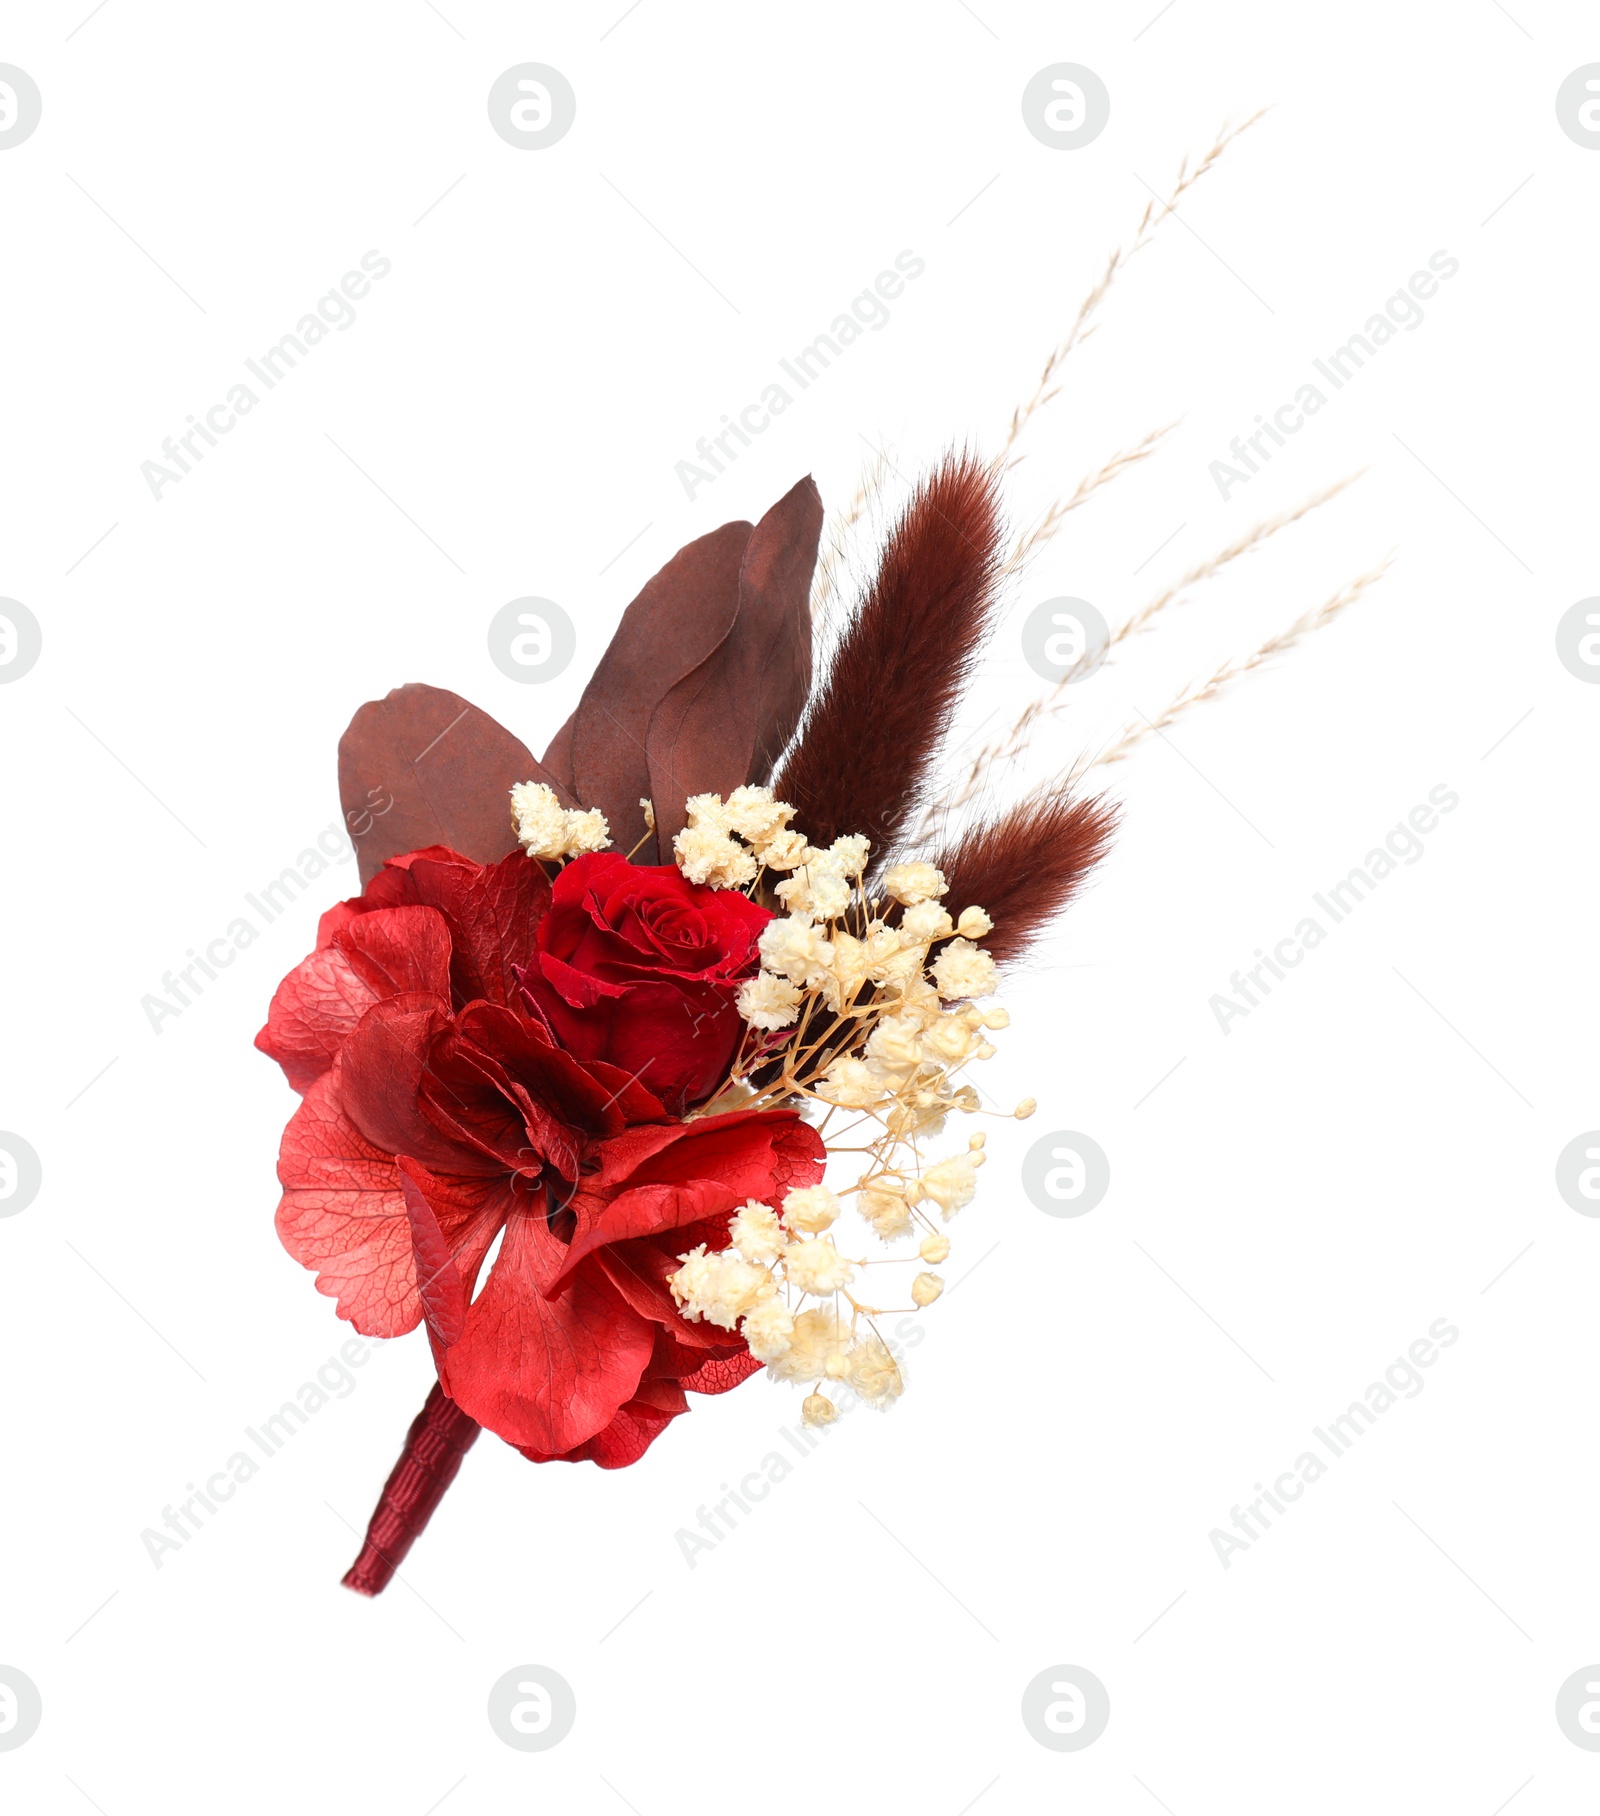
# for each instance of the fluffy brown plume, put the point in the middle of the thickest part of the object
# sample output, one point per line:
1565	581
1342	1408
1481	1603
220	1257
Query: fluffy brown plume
873	726
1026	866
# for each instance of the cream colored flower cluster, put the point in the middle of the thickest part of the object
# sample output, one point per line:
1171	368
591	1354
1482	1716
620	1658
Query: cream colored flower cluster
878	986
779	1283
546	829
728	843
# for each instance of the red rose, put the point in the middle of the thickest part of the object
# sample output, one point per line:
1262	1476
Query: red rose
640	967
440	1114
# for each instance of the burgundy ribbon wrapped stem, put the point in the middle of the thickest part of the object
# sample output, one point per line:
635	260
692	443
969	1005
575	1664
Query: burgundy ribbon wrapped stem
440	1436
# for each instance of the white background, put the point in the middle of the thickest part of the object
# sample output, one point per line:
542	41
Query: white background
1290	1208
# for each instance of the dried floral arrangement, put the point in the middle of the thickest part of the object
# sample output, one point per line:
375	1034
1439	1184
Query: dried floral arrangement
638	1068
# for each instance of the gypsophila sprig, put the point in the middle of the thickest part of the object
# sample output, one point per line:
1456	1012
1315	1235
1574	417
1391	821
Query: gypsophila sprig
545	829
864	1010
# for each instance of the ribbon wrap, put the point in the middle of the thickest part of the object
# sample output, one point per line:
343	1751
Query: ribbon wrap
440	1436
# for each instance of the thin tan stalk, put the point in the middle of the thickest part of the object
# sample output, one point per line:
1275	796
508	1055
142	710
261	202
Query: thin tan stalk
1083	324
824	589
1243	545
1091	483
1198	693
1008	747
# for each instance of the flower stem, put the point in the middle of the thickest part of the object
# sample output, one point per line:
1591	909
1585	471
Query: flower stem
440	1436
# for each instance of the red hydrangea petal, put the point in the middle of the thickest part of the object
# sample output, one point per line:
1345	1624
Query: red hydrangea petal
718	1374
398	949
546	1374
381	1071
640	1272
369	958
552	1085
755	1153
630	1433
391	887
342	1214
646	1211
439	1284
314	1010
493	911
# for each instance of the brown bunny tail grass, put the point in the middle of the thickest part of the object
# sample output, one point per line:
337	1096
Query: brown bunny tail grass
867	746
1025	867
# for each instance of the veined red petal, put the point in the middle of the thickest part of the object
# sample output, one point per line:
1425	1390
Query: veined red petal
752	1152
369	958
385	1082
629	1434
546	1374
439	1284
493	911
342	1214
640	1272
389	887
314	1011
645	1211
393	950
718	1374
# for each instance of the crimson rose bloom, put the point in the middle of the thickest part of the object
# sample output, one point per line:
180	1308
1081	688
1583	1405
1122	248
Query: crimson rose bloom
640	967
440	1113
